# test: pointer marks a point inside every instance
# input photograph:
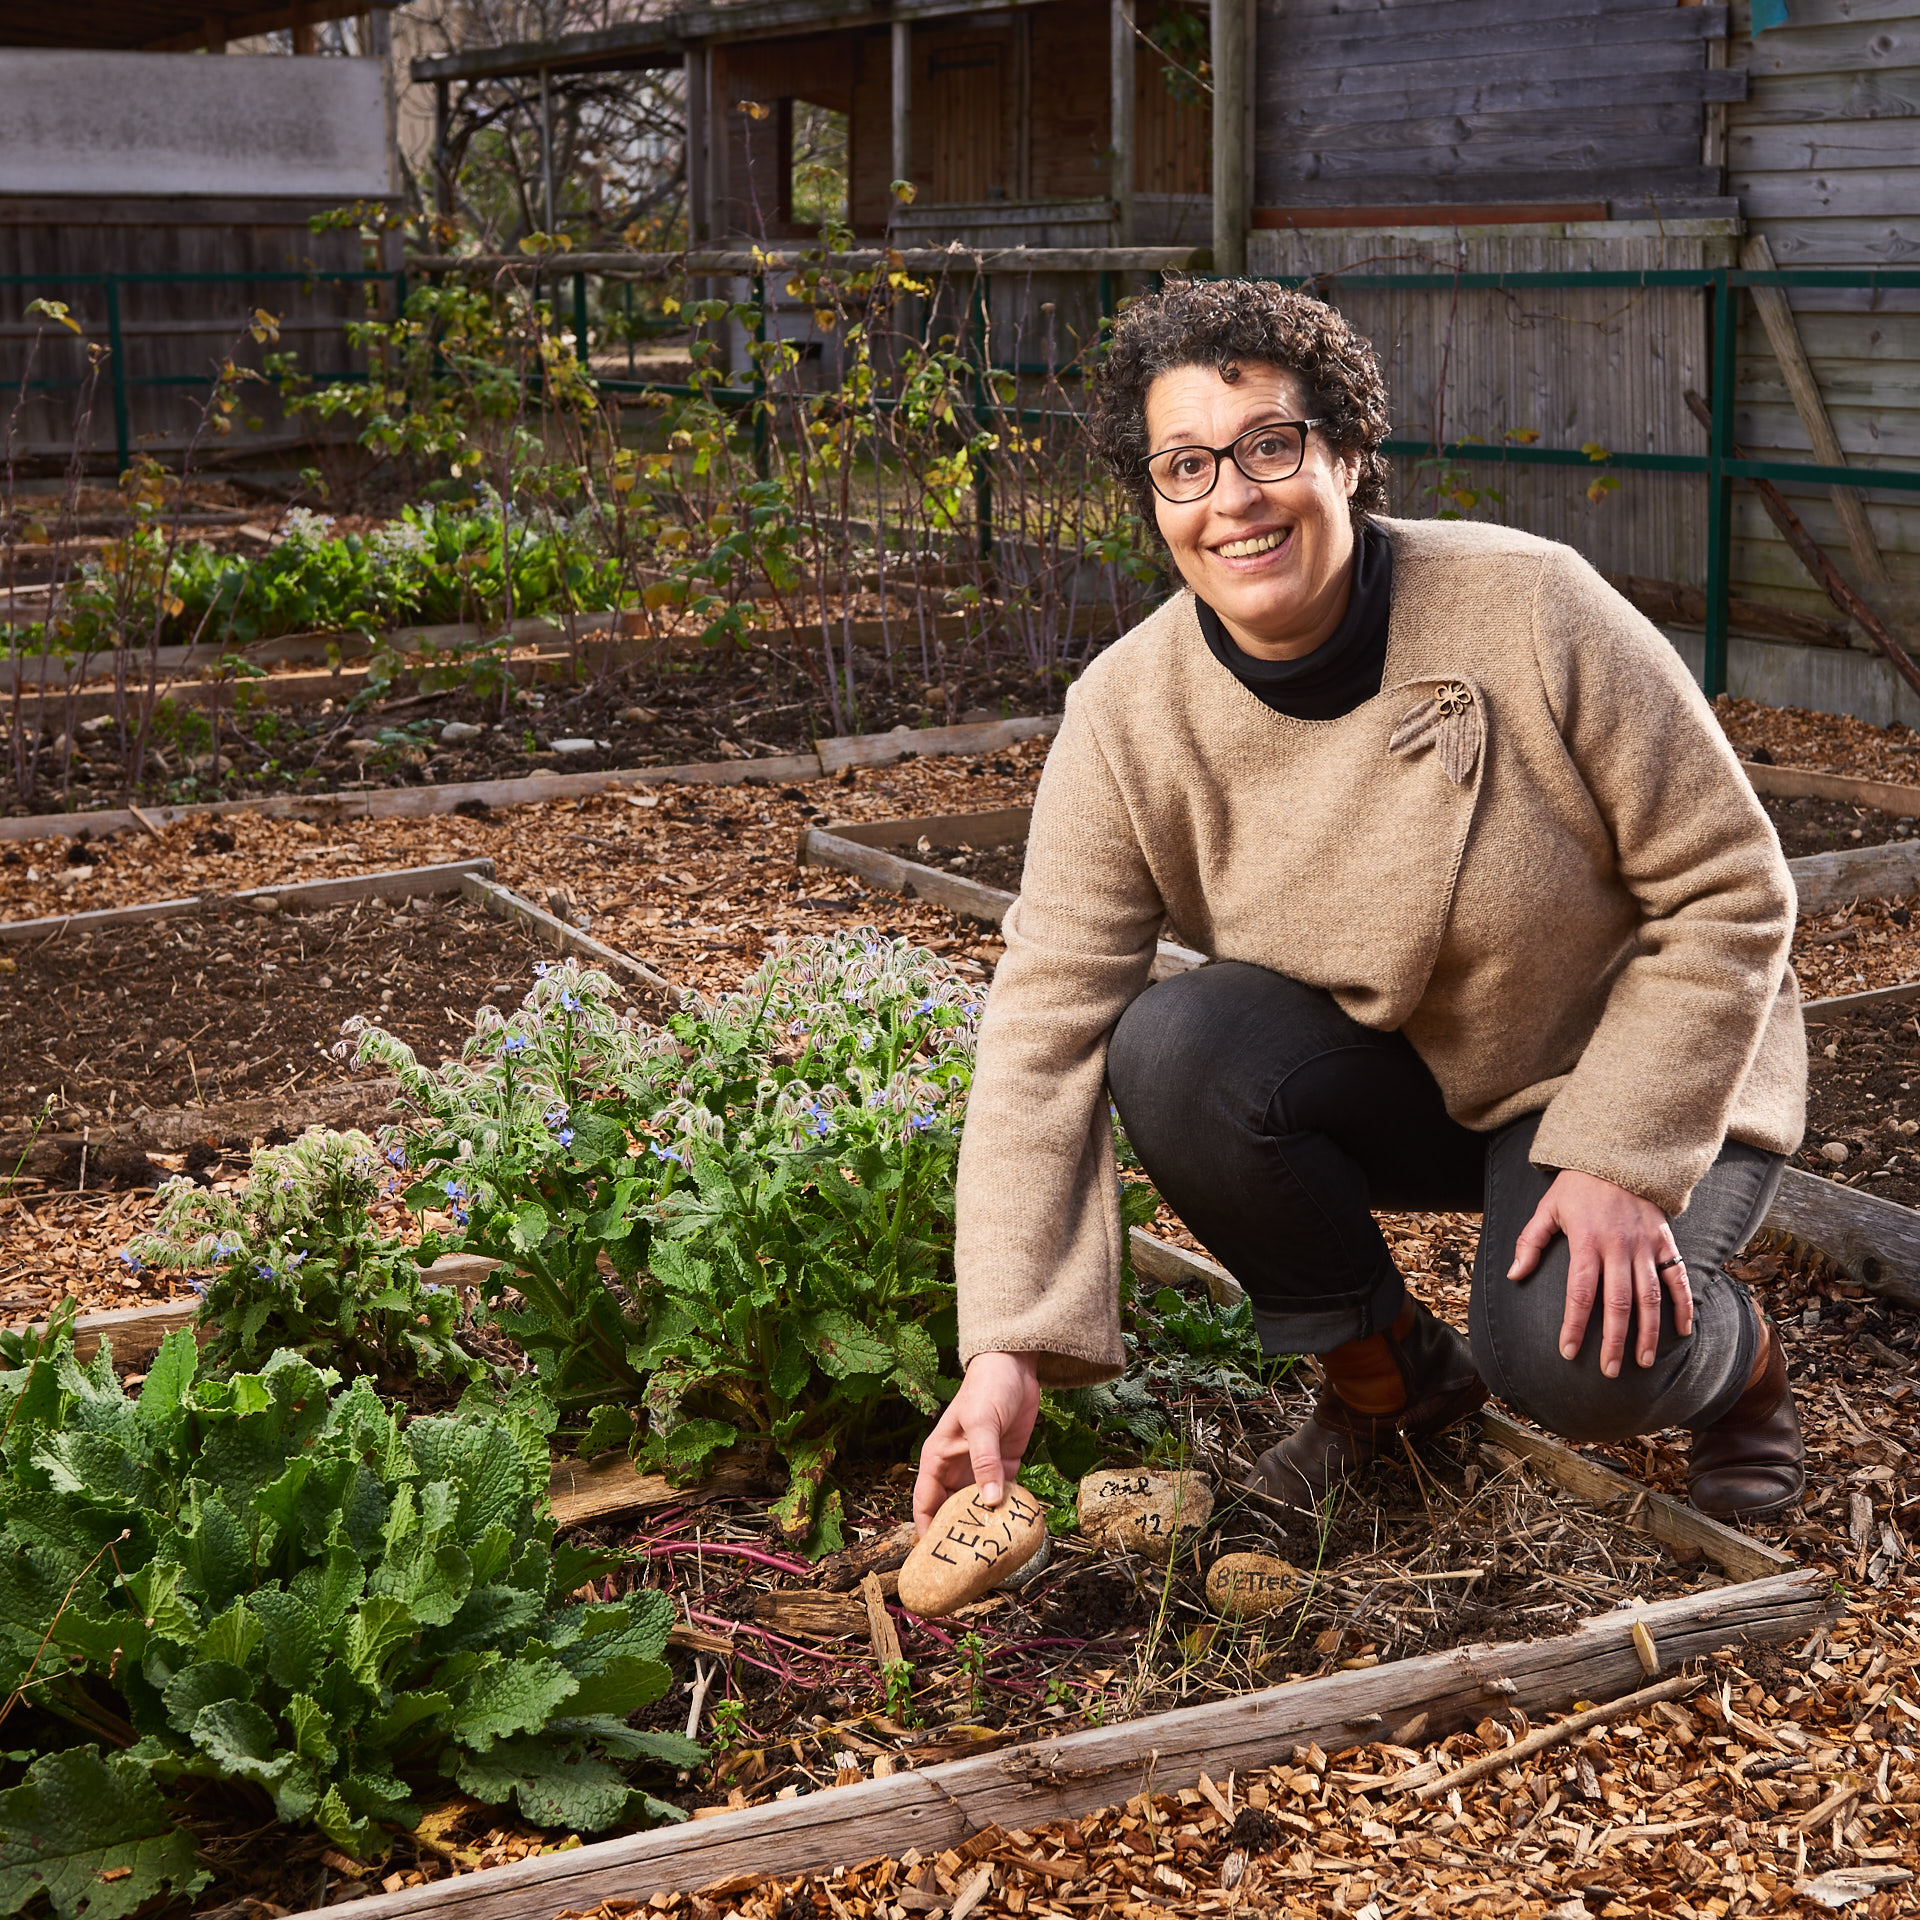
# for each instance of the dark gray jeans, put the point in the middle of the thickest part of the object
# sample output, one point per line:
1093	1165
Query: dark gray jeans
1274	1124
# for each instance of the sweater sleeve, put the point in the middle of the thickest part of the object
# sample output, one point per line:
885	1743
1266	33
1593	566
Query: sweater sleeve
1038	1243
1648	1102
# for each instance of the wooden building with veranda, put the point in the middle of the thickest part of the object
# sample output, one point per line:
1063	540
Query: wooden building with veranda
1405	136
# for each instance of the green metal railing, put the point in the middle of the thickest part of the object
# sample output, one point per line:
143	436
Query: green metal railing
1718	465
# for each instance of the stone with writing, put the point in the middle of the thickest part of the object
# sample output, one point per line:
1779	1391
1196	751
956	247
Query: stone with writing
970	1548
1244	1586
1143	1511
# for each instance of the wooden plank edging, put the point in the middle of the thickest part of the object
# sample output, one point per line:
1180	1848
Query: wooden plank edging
418	803
505	904
1027	1785
1890	871
1804	783
394	883
954	891
1875	1242
1843	1003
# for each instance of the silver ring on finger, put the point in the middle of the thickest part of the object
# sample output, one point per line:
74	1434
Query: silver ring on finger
1660	1266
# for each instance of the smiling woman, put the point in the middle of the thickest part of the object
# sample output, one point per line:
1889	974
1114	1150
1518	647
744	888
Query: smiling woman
1496	924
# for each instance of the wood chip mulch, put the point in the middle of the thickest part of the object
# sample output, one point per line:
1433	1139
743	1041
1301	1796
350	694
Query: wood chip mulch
1822	742
1788	1771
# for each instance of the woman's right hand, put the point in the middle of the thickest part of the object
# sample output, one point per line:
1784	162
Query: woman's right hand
978	1441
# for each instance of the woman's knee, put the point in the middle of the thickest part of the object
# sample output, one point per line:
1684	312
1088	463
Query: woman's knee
1518	1356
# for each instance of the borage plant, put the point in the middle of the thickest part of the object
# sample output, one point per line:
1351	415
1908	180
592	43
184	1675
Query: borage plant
297	1262
737	1230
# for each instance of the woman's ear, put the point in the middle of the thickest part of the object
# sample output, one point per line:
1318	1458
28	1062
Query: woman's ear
1350	464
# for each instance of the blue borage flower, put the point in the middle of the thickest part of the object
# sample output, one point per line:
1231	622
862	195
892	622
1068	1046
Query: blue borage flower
513	1043
130	1259
920	1123
396	1155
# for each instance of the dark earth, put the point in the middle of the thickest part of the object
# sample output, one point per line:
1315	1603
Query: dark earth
221	1005
1863	1072
1830	826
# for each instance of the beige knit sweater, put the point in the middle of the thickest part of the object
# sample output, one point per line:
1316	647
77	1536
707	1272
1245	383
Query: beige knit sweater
1532	851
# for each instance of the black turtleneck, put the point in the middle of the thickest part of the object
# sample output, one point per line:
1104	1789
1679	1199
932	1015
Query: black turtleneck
1345	669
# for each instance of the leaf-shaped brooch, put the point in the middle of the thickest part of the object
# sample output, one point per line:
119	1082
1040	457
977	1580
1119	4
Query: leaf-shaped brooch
1448	721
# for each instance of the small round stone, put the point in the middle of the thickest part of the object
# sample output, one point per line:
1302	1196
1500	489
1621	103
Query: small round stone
1244	1586
970	1548
1836	1151
1140	1510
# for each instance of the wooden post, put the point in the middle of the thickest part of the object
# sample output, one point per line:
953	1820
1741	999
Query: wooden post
216	33
302	27
377	40
1023	105
699	173
546	147
442	115
1231	203
902	100
1120	120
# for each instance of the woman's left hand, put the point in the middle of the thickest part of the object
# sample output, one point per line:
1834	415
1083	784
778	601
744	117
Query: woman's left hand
1622	1250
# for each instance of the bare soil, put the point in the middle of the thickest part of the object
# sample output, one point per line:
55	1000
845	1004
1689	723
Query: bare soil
217	1006
1832	826
1862	1072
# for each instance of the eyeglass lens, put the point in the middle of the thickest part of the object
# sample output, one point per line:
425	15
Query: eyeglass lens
1262	454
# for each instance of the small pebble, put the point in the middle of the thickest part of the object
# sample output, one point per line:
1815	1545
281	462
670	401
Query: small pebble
455	732
1835	1151
573	746
1142	1511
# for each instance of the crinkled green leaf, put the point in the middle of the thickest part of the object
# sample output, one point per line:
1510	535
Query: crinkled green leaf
509	1697
76	1819
553	1788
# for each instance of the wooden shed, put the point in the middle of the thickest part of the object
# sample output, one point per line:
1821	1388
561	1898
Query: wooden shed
1355	137
163	193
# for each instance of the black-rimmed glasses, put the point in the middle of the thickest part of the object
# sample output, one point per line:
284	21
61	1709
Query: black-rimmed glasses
1264	454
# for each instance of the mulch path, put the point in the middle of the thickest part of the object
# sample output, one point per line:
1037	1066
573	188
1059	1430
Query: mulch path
1821	742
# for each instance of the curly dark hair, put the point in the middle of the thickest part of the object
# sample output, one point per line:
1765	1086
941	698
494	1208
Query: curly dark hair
1217	323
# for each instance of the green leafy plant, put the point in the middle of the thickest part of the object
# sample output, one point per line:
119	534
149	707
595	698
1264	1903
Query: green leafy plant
256	1588
768	1183
897	1676
298	1264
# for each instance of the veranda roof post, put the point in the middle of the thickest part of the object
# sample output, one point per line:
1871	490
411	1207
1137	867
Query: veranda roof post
1230	196
901	102
1120	121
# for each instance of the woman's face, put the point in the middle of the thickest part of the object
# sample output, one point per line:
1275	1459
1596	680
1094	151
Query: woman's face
1273	559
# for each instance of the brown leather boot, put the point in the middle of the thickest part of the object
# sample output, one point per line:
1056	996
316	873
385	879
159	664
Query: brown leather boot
1417	1378
1752	1460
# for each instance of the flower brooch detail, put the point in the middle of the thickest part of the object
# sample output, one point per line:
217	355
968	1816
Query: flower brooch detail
1450	722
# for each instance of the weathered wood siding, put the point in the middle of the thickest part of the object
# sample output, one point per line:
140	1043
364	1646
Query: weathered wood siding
1824	154
1566	365
178	331
1371	103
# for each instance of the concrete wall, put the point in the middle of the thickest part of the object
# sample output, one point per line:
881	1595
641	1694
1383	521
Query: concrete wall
1824	679
185	123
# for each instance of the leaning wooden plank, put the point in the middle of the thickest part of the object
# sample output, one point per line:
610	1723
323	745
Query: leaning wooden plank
1003	827
396	883
508	905
1171	1266
1667	1520
954	891
1843	1003
583	1490
1079	1773
879	868
1803	783
1888	872
1875	1242
904	743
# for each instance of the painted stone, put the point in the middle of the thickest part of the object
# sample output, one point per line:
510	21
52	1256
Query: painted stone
970	1548
1243	1586
1142	1511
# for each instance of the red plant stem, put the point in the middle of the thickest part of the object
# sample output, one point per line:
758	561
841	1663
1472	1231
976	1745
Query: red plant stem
717	1546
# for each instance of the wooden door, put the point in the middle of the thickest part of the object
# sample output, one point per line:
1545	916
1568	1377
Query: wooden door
969	143
1172	130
